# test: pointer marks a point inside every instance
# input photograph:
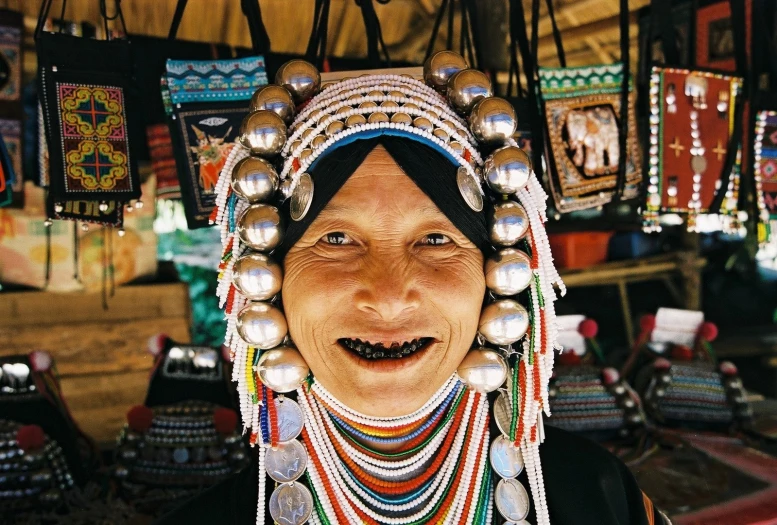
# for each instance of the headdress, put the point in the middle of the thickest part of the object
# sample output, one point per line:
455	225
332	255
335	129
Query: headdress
291	126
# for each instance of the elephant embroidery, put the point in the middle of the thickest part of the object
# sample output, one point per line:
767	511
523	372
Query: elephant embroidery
591	133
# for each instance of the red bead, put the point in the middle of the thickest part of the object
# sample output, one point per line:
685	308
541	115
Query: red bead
662	364
588	328
610	376
708	332
727	368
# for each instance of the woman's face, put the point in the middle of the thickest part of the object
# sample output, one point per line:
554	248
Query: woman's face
382	264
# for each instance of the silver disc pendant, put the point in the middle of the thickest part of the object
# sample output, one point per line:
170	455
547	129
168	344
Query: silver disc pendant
469	189
286	462
290	419
512	500
506	459
503	414
291	504
301	197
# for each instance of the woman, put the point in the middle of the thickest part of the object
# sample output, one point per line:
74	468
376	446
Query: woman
414	388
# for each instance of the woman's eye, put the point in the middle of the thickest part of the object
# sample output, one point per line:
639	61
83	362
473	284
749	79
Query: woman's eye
337	238
435	239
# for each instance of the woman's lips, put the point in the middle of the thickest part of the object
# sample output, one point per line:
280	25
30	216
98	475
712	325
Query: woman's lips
380	350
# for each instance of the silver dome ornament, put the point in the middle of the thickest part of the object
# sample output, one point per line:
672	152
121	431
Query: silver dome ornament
483	370
440	67
503	322
301	197
509	223
263	133
469	189
257	276
467	87
300	78
261	325
254	179
493	120
285	188
282	369
276	99
259	226
508	272
507	170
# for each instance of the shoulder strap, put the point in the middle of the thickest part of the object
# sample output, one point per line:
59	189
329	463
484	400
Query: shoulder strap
623	132
535	14
316	52
375	42
177	16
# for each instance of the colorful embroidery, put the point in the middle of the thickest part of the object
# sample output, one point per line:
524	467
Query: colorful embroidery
94	138
10	54
765	160
209	136
11	131
582	107
160	148
211	80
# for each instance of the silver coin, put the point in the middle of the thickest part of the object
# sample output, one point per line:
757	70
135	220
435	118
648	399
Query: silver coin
301	197
503	414
469	189
290	419
181	455
698	164
512	500
286	462
506	459
291	504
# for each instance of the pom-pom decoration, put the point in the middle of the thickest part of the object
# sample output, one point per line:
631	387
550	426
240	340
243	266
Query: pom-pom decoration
727	368
225	420
139	418
610	376
30	438
647	323
588	328
708	332
662	364
41	360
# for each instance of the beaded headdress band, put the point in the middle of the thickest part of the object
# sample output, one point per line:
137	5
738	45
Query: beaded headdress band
453	111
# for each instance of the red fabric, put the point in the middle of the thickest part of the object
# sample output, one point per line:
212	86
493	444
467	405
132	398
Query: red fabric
569	358
139	418
682	353
30	437
225	420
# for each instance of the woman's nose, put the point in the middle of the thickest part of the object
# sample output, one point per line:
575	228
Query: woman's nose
388	288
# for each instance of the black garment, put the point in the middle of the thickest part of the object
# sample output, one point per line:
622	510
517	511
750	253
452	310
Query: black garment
584	484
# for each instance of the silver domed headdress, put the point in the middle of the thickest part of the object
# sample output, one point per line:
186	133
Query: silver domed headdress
291	126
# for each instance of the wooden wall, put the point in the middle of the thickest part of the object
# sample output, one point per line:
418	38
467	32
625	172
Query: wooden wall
100	354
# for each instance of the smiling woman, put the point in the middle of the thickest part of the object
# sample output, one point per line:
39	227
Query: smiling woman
397	371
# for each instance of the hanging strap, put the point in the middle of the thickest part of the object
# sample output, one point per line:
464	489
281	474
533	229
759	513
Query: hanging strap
260	40
623	132
375	42
316	52
735	140
535	24
177	16
45	9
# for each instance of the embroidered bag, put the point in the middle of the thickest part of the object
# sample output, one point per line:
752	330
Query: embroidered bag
207	102
88	102
694	134
11	111
7	175
590	120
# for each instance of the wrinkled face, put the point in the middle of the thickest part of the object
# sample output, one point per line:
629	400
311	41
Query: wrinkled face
383	294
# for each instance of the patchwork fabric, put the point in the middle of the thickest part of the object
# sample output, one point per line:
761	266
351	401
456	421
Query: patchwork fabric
94	138
765	161
582	108
10	56
160	147
207	137
214	80
684	178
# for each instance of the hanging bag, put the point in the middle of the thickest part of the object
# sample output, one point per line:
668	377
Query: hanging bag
694	133
590	122
206	102
89	109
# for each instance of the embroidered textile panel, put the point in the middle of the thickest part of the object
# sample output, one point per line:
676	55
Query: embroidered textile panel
675	94
766	159
208	136
715	37
11	133
10	55
582	107
215	80
86	211
93	134
160	147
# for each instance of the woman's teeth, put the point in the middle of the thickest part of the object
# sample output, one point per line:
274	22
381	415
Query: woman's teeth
379	351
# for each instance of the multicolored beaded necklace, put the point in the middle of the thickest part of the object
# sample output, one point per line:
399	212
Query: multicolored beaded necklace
437	474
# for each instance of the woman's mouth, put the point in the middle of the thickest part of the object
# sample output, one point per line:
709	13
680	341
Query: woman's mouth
381	350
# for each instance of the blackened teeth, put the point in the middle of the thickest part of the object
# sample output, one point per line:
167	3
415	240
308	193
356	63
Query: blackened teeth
379	351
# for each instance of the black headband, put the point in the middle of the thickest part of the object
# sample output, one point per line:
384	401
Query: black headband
432	172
